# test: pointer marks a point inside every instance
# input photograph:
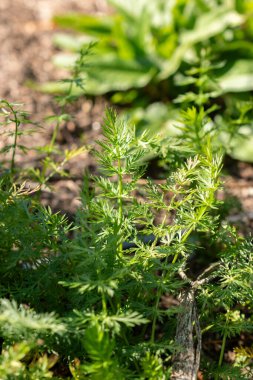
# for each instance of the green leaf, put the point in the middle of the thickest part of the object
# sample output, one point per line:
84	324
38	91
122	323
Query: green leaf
94	26
236	76
159	11
106	74
110	73
98	344
157	117
207	25
211	24
68	42
19	321
130	319
242	145
171	65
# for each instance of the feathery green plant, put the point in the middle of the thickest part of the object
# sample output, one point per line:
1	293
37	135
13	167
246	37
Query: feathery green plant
161	227
137	246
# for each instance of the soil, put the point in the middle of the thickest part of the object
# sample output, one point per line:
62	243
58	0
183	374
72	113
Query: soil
26	33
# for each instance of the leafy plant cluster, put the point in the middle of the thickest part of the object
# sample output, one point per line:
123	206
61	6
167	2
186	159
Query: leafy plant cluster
148	280
147	43
97	298
147	55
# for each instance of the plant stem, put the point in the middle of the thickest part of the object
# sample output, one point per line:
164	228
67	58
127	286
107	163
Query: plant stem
120	205
222	349
55	133
17	124
159	293
152	338
57	127
187	233
104	306
224	339
62	110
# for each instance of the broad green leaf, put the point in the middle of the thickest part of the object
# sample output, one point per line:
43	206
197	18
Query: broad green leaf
211	24
171	65
112	74
109	73
156	118
92	25
237	77
54	88
208	25
130	11
65	60
243	146
71	43
159	11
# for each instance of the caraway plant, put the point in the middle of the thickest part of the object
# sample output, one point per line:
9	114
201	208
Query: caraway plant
145	277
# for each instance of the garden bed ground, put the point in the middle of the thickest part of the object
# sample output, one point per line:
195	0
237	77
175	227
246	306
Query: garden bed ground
26	32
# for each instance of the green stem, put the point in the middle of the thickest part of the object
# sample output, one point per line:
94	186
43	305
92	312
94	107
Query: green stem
55	133
120	205
187	233
222	349
104	306
152	338
224	339
59	167
56	129
159	293
17	124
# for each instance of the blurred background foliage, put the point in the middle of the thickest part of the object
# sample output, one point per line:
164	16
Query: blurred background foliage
150	57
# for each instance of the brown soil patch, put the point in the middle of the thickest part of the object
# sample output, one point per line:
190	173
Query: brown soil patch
26	33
